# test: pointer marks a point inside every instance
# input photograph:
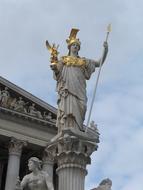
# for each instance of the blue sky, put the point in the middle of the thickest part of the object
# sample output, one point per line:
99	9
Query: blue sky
24	60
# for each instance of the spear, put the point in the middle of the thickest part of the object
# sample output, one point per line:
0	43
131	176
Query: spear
96	84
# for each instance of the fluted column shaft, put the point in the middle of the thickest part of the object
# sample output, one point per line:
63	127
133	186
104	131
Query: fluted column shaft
15	149
71	177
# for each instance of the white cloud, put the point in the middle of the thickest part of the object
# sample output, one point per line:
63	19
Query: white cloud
119	117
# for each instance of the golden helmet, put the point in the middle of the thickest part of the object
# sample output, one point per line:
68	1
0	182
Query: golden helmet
72	38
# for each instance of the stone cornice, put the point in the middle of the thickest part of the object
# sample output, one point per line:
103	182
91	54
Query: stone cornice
27	117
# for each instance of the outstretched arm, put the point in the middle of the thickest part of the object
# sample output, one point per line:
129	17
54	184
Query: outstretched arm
104	55
24	182
50	186
18	185
49	182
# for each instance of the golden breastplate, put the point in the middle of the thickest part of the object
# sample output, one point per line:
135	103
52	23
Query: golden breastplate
73	61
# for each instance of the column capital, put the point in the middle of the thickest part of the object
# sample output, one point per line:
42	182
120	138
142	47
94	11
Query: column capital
73	147
15	146
15	149
47	157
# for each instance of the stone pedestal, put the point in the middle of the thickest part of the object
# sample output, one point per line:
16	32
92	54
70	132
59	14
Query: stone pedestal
15	149
71	150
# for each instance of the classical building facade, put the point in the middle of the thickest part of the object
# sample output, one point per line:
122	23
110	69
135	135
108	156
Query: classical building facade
26	126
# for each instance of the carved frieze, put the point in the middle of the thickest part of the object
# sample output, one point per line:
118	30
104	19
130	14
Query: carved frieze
16	102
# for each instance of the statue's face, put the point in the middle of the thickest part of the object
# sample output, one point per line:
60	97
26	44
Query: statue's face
31	165
74	48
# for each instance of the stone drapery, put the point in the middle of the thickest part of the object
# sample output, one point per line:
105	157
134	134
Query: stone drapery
71	88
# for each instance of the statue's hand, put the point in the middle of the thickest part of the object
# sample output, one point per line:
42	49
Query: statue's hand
105	44
18	185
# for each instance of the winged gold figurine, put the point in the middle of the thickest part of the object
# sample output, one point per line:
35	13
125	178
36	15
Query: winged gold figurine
54	52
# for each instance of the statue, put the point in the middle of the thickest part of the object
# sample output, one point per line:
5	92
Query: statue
37	179
13	103
33	111
92	130
20	105
4	97
71	72
48	116
105	184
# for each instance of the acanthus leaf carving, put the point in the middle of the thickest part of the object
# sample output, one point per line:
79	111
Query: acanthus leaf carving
15	146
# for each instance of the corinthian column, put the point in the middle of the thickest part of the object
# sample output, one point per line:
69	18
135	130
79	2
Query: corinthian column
72	171
72	150
15	150
48	162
